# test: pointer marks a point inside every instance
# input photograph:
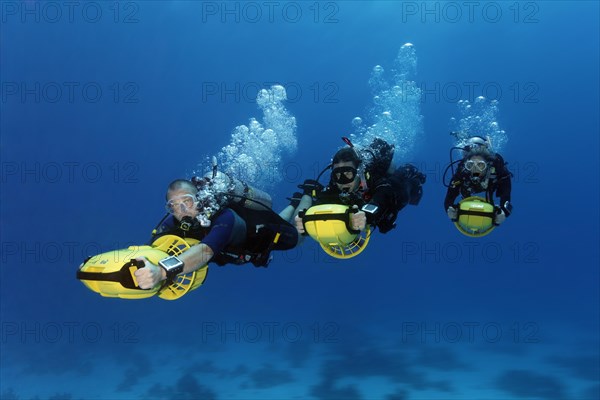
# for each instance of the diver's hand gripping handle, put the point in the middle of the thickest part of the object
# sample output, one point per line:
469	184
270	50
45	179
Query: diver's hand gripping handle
357	222
137	263
134	265
300	223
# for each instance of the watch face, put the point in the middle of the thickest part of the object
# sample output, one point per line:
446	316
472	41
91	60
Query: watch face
370	208
170	262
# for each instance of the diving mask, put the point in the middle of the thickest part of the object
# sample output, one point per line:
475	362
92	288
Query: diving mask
344	175
182	204
475	165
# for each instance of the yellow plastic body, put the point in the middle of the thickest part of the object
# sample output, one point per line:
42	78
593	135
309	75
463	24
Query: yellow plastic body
475	225
333	234
163	247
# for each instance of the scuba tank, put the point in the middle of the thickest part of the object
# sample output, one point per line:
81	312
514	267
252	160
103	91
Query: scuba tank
240	193
217	190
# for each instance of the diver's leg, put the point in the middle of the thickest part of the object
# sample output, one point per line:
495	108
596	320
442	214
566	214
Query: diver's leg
305	203
275	234
416	190
287	213
298	202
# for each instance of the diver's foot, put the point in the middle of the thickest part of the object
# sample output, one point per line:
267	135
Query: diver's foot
295	199
311	187
263	259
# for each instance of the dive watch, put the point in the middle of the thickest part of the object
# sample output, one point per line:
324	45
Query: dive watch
172	265
370	208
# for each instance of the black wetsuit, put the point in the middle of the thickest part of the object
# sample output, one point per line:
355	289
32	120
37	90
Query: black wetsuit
390	193
497	180
238	235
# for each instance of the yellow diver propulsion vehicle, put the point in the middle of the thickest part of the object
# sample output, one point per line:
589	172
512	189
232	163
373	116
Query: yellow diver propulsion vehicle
329	224
475	217
112	273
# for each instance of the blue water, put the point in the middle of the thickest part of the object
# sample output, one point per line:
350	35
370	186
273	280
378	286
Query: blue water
103	104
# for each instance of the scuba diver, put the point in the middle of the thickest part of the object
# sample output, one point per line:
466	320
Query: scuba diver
480	170
233	221
366	180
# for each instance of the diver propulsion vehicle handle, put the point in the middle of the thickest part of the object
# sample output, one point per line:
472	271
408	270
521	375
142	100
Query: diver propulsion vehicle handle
137	264
112	274
475	216
342	214
329	225
301	215
345	217
125	276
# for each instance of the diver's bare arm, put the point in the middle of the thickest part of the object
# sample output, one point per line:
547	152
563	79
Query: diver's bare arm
193	259
197	256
